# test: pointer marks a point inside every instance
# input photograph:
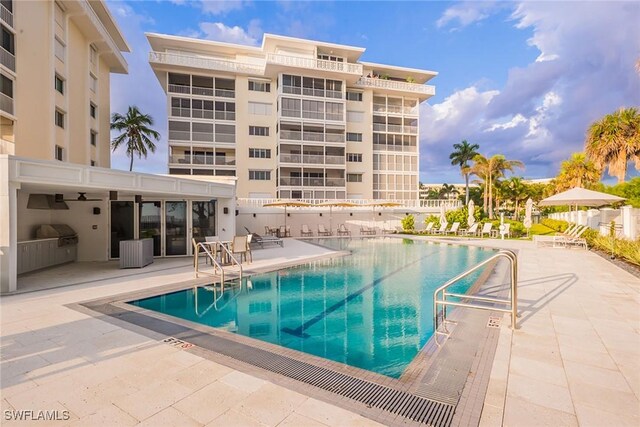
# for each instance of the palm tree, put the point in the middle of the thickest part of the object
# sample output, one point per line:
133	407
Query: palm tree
135	133
614	140
447	191
516	191
578	171
463	153
490	170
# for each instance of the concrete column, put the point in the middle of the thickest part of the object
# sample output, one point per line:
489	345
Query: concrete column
8	229
227	221
593	218
628	222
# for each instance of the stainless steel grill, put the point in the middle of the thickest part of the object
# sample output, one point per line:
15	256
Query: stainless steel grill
66	235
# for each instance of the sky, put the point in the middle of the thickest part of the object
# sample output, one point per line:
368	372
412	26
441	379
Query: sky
519	78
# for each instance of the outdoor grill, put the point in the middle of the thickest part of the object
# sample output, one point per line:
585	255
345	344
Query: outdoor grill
66	235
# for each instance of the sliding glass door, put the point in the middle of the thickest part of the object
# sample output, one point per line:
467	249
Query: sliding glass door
122	225
204	219
175	228
150	225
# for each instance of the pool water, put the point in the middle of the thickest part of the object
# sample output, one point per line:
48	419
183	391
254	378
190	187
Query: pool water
372	309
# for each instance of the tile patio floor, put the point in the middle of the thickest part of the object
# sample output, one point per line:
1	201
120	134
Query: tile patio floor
574	361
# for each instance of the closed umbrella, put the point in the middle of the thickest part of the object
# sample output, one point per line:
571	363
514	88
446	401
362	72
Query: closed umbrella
443	215
527	214
471	219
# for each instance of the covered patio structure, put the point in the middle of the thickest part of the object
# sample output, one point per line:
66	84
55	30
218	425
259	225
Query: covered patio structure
102	207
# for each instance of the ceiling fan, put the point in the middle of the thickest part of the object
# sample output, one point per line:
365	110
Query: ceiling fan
81	198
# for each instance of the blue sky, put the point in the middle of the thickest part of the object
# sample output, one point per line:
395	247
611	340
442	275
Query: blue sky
523	79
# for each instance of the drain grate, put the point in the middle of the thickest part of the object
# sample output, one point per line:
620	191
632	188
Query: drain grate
494	322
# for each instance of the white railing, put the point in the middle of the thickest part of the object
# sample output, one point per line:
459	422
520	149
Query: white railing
314	159
314	64
6	15
6	104
363	203
7	59
395	109
173	88
396	85
206	63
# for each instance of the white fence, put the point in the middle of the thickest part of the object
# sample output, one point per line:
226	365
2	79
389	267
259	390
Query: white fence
626	219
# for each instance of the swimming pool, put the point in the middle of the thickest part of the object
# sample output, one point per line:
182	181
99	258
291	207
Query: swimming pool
371	309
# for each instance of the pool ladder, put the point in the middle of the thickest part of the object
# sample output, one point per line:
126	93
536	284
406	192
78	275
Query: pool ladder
440	295
214	261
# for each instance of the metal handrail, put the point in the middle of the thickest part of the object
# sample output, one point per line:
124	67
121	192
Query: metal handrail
512	301
196	261
232	258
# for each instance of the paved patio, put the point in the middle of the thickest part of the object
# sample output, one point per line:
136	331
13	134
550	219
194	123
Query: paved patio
574	361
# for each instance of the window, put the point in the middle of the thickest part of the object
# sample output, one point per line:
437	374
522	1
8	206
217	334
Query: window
355	116
93	83
59	15
354	177
93	54
8	41
354	96
354	137
92	109
59	49
259	153
335	111
259	175
354	157
59	118
259	86
259	130
225	110
260	108
6	86
312	109
334	89
93	137
59	153
291	84
291	107
93	162
331	58
59	84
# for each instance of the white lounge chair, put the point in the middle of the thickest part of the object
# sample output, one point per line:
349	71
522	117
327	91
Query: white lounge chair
428	227
305	232
471	231
442	229
454	228
366	230
323	231
343	230
486	229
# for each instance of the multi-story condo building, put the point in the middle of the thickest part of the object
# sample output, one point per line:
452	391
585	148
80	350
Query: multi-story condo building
55	61
292	118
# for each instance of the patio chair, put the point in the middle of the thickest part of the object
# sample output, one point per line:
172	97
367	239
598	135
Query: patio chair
343	231
386	229
429	227
507	230
441	230
284	231
486	229
198	250
454	228
471	231
239	246
268	231
305	232
366	230
323	231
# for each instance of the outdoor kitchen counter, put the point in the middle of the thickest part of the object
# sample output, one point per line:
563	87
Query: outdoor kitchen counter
41	253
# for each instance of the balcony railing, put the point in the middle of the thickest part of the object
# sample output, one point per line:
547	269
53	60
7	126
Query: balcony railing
395	109
396	85
311	182
312	159
294	135
314	64
6	104
421	203
381	127
7	59
6	15
205	63
384	147
200	159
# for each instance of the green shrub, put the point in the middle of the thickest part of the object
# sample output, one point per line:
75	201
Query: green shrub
433	218
408	223
555	224
517	228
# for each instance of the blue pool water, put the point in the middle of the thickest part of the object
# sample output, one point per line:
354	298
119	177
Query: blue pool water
371	309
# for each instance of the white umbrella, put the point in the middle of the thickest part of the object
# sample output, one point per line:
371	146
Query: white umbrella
580	197
443	215
472	219
527	214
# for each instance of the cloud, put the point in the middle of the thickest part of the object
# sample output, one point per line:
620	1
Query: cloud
466	13
220	32
222	7
584	70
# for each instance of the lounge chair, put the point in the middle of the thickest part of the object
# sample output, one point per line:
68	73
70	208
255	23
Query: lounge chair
454	228
441	230
323	231
305	232
263	240
471	231
574	240
386	229
366	230
343	231
486	229
429	227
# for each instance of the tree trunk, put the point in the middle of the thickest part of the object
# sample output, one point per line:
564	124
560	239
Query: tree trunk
466	188
131	163
490	197
516	215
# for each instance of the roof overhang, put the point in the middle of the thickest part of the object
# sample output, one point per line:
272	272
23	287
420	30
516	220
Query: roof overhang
420	76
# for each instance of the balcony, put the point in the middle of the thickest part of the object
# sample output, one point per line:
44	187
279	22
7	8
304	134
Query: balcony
382	127
311	159
7	59
166	58
6	104
200	159
294	135
6	15
396	85
314	64
311	182
395	109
